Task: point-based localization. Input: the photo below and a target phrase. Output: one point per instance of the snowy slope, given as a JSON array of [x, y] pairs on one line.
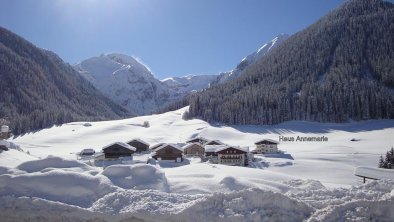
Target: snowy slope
[[332, 162], [251, 59], [189, 83], [127, 82], [309, 181]]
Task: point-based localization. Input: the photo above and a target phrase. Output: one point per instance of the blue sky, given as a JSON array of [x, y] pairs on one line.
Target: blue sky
[[173, 37]]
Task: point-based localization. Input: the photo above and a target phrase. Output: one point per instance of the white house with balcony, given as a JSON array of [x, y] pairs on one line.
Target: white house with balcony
[[266, 146]]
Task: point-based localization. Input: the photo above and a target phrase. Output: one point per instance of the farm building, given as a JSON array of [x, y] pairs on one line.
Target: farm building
[[168, 152], [200, 140], [139, 144], [193, 149], [266, 146], [118, 149]]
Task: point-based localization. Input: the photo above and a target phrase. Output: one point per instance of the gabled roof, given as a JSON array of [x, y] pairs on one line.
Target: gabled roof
[[191, 144], [218, 148], [168, 144], [217, 141], [269, 140], [139, 140], [125, 145], [195, 138], [90, 150], [214, 148], [155, 146]]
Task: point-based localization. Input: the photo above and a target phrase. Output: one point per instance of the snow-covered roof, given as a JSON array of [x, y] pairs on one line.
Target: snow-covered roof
[[4, 143], [218, 148], [125, 145], [139, 140], [373, 172], [190, 144], [269, 140], [168, 144], [214, 148], [200, 138], [217, 141], [87, 150], [157, 145]]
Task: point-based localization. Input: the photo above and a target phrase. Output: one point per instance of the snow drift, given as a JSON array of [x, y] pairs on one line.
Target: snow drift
[[138, 176], [57, 185], [305, 200], [52, 162]]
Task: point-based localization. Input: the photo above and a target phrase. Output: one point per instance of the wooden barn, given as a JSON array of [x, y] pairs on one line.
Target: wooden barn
[[168, 152], [139, 144], [200, 140], [194, 149], [118, 149]]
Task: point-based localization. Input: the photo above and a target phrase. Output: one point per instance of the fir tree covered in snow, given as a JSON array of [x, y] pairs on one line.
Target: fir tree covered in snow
[[388, 161]]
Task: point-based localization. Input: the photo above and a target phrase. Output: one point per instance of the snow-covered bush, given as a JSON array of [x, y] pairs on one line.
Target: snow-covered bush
[[146, 124]]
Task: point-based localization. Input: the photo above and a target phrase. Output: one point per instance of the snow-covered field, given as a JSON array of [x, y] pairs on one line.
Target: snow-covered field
[[312, 181]]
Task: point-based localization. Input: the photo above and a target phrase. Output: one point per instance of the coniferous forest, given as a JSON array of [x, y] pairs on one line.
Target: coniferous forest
[[37, 89], [339, 69]]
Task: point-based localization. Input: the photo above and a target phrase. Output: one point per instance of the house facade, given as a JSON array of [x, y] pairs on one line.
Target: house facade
[[118, 149], [168, 152], [233, 156], [139, 144], [266, 146], [194, 149], [211, 152]]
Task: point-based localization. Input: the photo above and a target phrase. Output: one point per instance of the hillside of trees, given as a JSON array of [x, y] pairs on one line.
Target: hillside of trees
[[341, 68], [37, 89]]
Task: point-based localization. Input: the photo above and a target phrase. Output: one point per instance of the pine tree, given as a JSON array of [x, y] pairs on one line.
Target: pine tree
[[381, 162], [387, 161], [391, 156]]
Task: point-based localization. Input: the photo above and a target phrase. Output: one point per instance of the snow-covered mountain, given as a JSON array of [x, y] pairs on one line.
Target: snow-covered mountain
[[189, 83], [131, 84], [127, 82], [251, 59]]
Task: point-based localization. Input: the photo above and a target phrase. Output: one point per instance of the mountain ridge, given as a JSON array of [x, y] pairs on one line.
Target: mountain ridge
[[39, 89], [131, 84], [338, 69]]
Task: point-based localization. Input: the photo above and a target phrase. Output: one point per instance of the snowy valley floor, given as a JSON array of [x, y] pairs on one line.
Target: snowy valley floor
[[313, 181]]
